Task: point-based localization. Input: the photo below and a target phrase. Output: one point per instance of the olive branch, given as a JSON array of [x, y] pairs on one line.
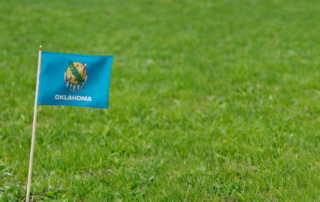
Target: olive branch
[[75, 73]]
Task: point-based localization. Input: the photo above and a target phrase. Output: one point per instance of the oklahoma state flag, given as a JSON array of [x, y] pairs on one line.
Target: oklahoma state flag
[[74, 79]]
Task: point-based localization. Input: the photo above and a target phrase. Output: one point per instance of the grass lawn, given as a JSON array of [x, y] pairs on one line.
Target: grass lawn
[[209, 101]]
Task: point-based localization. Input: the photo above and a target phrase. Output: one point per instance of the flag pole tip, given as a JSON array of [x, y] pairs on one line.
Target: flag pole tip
[[40, 47]]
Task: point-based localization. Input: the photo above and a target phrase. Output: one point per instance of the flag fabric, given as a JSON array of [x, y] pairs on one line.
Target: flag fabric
[[74, 79]]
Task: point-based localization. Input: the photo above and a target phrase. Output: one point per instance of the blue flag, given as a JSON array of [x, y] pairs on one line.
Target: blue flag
[[74, 79]]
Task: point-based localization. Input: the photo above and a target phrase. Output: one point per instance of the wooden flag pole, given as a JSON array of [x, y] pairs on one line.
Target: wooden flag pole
[[34, 127]]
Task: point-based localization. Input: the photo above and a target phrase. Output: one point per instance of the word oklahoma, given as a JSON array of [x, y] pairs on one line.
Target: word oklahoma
[[72, 97]]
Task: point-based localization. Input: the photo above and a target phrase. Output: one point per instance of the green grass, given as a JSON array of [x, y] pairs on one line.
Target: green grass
[[209, 101]]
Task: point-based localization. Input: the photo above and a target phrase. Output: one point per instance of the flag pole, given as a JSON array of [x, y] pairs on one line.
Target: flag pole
[[34, 127]]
